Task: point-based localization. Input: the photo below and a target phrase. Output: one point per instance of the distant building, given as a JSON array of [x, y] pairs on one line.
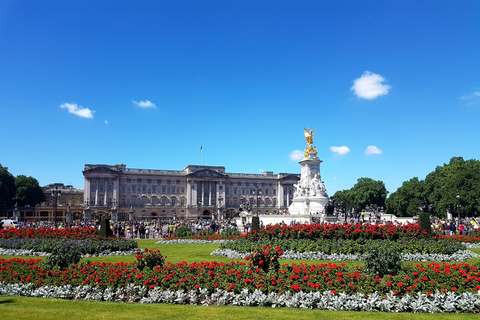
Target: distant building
[[194, 192], [71, 200]]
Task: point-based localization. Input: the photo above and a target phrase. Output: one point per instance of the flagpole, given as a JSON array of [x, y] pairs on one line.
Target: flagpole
[[201, 155]]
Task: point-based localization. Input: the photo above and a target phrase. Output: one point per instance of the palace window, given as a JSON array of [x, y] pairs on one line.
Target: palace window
[[183, 189], [163, 189], [94, 188], [101, 187], [154, 189]]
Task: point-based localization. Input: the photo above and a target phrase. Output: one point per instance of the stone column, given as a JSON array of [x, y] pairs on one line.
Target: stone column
[[203, 193], [116, 185], [288, 196], [105, 188], [86, 191], [210, 193], [189, 193], [96, 194]]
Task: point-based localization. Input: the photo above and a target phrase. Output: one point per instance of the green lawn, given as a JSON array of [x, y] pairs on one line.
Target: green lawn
[[38, 308], [198, 252], [27, 308]]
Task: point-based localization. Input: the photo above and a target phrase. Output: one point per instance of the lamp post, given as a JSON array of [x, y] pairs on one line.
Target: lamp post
[[55, 194], [458, 205], [257, 192]]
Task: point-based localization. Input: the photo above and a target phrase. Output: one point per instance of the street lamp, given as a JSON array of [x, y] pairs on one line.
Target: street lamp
[[257, 192], [55, 195], [458, 205]]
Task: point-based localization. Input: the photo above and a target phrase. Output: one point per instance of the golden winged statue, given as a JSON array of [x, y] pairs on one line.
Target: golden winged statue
[[309, 138]]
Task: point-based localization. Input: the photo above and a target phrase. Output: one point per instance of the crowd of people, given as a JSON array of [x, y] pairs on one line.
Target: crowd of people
[[161, 228]]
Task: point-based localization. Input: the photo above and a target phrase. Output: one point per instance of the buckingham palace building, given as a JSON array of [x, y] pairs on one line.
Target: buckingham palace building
[[195, 192]]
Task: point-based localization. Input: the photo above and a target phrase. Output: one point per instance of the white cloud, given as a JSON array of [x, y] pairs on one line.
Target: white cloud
[[145, 104], [472, 98], [369, 86], [340, 150], [296, 155], [372, 150], [76, 110], [106, 122]]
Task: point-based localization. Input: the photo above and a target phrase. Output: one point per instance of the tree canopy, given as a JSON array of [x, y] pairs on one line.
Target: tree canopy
[[29, 192], [439, 191], [366, 192], [406, 201], [7, 188], [458, 176]]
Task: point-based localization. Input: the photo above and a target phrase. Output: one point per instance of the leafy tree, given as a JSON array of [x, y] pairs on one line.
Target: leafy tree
[[458, 176], [366, 192], [406, 201], [7, 188], [342, 199], [28, 191]]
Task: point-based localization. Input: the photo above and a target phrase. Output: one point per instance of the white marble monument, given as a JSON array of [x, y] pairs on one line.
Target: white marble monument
[[310, 197]]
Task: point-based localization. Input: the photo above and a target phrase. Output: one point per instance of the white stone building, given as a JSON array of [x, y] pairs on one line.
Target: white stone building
[[194, 192]]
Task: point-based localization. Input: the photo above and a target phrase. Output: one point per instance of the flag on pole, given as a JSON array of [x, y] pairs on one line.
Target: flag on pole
[[200, 146]]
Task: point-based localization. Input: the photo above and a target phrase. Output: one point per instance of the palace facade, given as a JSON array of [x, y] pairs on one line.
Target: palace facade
[[194, 192]]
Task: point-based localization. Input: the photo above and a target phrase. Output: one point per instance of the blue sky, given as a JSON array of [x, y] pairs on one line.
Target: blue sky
[[145, 83]]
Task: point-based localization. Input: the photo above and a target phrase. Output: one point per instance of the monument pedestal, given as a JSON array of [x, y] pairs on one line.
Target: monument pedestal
[[310, 197]]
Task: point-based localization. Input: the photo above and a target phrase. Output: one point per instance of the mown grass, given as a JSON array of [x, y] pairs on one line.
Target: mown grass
[[200, 252], [39, 309]]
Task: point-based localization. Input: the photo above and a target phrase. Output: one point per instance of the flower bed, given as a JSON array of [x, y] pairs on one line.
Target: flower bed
[[316, 231], [359, 246], [418, 287], [236, 276], [50, 233], [45, 240], [461, 255]]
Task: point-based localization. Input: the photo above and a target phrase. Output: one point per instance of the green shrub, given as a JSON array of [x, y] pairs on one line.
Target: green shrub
[[105, 230], [230, 232], [266, 258], [205, 232], [383, 261], [62, 257], [149, 259], [183, 232], [424, 223], [255, 223]]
